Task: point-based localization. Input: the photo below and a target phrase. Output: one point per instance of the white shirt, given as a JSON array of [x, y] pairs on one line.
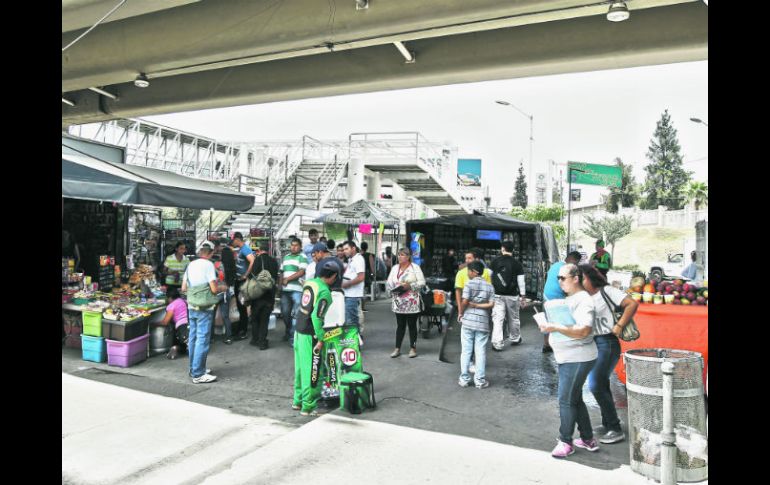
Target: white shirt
[[200, 272], [310, 271], [355, 265], [603, 321]]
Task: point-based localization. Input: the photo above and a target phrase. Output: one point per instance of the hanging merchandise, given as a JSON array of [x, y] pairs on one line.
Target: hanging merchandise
[[416, 243]]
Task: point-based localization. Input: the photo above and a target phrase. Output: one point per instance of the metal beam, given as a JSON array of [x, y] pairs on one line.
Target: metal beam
[[246, 31], [661, 35]]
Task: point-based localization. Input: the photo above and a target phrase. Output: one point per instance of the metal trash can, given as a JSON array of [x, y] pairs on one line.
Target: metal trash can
[[644, 383]]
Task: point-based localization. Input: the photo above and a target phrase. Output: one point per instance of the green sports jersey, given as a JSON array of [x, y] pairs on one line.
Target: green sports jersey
[[604, 262], [293, 263], [315, 301]]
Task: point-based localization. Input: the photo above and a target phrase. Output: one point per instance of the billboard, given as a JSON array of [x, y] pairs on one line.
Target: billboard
[[469, 172], [595, 174]]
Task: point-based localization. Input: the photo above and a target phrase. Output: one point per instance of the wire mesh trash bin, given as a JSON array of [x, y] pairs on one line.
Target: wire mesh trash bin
[[644, 383]]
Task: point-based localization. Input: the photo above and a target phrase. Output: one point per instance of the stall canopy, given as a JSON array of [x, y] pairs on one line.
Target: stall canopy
[[478, 221], [361, 212], [85, 177]]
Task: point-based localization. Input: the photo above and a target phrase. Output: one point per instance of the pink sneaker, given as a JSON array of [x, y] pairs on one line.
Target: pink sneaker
[[590, 445], [562, 450]]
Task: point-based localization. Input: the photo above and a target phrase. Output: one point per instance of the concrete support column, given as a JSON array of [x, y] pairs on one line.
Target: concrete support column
[[355, 180], [373, 186]]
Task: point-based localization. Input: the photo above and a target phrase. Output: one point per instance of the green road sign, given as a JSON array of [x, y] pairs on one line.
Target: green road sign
[[595, 174]]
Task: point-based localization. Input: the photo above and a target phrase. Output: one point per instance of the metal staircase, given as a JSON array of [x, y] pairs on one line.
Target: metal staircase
[[303, 189]]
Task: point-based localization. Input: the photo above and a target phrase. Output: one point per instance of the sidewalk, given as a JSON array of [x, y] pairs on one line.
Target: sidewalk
[[114, 435]]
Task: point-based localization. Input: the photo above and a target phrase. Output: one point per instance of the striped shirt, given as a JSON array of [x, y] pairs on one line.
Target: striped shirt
[[174, 264], [477, 290], [293, 263]]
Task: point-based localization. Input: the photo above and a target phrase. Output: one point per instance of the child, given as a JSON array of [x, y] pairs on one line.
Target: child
[[478, 300]]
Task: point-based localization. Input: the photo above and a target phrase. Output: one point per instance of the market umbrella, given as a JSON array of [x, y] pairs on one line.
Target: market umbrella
[[362, 212]]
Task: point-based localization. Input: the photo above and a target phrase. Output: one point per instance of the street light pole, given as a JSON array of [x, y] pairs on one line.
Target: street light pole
[[531, 142]]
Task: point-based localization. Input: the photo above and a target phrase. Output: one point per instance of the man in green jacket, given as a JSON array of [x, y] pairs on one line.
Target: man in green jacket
[[308, 339], [601, 259]]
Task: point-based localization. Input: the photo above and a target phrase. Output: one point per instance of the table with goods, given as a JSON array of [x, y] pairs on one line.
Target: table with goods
[[672, 314], [112, 326]]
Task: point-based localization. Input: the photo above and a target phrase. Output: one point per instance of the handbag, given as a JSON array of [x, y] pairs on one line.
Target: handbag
[[256, 286], [201, 296], [629, 332]]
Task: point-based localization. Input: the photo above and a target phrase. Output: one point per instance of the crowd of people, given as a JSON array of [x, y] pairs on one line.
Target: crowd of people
[[488, 298]]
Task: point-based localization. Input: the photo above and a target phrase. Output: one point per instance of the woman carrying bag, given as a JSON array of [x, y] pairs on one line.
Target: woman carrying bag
[[606, 333], [404, 283]]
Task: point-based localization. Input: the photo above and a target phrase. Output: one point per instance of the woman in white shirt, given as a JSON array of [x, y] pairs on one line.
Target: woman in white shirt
[[606, 332], [575, 352], [404, 283]]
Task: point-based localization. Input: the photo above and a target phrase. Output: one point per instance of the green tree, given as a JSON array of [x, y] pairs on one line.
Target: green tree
[[611, 229], [666, 178], [627, 193], [519, 198], [552, 215], [697, 192]]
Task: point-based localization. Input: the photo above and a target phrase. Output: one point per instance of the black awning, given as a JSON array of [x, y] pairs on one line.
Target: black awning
[[477, 221], [85, 177]]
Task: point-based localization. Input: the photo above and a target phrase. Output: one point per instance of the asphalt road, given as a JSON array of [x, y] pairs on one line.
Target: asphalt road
[[519, 408]]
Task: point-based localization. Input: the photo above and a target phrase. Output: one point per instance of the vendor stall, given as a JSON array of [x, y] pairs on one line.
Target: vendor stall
[[679, 327], [430, 239], [365, 218]]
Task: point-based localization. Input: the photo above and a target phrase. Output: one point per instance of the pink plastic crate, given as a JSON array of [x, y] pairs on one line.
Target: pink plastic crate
[[129, 347], [126, 361]]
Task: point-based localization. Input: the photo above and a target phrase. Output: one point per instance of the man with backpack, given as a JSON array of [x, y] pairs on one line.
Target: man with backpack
[[262, 307], [508, 281]]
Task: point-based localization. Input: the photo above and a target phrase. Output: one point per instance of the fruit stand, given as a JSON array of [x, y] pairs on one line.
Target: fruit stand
[[671, 315]]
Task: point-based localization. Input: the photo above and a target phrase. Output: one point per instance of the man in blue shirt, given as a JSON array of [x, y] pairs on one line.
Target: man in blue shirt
[[308, 248], [244, 260], [552, 290], [690, 271]]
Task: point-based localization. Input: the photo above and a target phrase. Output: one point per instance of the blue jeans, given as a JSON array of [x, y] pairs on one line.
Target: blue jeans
[[290, 301], [198, 344], [224, 310], [351, 310], [572, 409], [599, 379], [473, 340]]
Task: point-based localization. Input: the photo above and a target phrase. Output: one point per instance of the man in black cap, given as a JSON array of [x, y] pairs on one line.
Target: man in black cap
[[320, 253]]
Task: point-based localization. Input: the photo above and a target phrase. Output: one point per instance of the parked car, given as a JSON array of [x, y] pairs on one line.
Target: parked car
[[672, 267]]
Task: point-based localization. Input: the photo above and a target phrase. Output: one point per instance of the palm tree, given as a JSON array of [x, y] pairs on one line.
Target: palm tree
[[697, 192]]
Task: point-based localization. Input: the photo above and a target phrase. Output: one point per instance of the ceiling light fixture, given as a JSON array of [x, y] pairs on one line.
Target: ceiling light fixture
[[67, 101], [618, 12], [103, 92], [362, 4], [409, 56], [141, 81]]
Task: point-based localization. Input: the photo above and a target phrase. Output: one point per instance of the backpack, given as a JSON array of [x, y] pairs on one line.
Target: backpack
[[256, 286], [380, 269]]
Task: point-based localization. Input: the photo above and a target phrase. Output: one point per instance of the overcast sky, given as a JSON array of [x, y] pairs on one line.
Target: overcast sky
[[589, 117]]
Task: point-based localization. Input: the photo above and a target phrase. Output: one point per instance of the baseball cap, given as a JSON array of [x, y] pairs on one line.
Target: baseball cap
[[327, 268], [319, 246], [207, 244]]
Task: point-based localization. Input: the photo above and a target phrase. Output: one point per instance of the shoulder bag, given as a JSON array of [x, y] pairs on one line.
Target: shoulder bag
[[201, 296], [256, 286], [629, 332]]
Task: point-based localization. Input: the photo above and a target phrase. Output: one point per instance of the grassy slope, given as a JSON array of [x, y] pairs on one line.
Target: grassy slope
[[644, 245]]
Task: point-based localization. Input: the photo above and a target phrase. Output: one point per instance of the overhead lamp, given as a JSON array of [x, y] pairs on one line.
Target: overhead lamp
[[362, 4], [103, 92], [141, 81], [409, 56], [67, 101], [618, 12]]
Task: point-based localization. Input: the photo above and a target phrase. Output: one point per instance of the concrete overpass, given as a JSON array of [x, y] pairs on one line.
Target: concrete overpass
[[200, 55]]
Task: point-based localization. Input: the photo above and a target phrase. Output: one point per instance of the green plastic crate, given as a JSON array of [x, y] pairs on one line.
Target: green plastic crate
[[92, 324]]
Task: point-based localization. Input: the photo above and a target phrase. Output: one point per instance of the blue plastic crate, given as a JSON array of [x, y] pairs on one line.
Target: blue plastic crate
[[94, 348]]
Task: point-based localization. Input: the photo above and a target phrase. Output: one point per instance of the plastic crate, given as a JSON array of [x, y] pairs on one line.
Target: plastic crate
[[126, 354], [124, 331], [81, 301], [92, 324], [94, 348]]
